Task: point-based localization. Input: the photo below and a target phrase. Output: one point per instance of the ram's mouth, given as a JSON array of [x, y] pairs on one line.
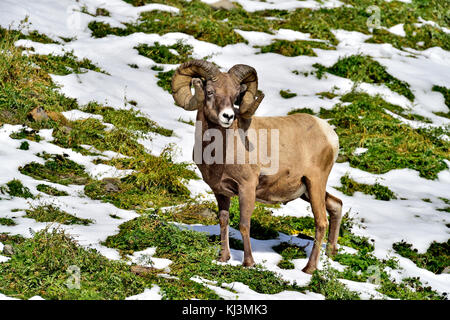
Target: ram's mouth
[[226, 124]]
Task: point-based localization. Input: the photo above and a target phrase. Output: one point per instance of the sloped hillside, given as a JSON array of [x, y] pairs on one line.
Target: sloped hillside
[[99, 197]]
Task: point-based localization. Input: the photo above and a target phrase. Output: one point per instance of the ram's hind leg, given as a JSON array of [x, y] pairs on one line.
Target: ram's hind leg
[[334, 208], [246, 205], [316, 196], [223, 203]]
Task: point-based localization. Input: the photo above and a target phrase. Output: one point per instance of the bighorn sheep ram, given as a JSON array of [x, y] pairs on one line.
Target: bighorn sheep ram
[[307, 149]]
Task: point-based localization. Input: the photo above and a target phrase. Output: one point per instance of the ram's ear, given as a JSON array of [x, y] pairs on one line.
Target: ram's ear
[[242, 89]]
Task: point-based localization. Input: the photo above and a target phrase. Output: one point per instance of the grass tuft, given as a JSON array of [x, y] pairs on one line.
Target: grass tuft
[[51, 213], [15, 188], [350, 186]]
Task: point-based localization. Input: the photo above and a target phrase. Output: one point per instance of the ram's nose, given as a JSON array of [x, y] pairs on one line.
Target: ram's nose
[[226, 117]]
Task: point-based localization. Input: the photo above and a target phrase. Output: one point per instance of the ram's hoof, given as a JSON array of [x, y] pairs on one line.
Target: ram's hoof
[[248, 263], [331, 251], [309, 269], [224, 258]]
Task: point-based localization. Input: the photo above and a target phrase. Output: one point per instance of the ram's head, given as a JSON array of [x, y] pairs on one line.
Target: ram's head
[[217, 92]]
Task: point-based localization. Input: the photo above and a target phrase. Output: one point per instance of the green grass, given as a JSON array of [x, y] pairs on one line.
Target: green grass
[[295, 48], [162, 54], [50, 190], [446, 93], [217, 26], [33, 270], [24, 145], [287, 94], [435, 259], [326, 282], [195, 18], [302, 110], [58, 169], [325, 94], [24, 86], [64, 64], [7, 222], [361, 68], [51, 213], [289, 252], [409, 289], [128, 119], [391, 144], [165, 80], [26, 133], [156, 181], [419, 38], [191, 253], [15, 188], [29, 35], [350, 186]]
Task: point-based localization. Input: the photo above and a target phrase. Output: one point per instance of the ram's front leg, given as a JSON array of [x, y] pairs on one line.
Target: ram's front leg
[[246, 205], [223, 203]]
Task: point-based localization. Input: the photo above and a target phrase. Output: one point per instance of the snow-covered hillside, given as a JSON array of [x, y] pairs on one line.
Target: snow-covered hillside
[[408, 217]]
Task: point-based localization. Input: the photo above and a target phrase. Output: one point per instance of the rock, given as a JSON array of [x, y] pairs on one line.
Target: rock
[[446, 270], [141, 270], [222, 4], [8, 249], [38, 114], [208, 213], [111, 184], [66, 129]]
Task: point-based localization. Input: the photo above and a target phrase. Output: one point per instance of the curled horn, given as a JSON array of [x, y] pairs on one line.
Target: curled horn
[[247, 75], [181, 82]]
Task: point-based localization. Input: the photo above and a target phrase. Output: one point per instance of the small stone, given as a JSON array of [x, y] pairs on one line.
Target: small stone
[[66, 129], [8, 249], [141, 270], [38, 114], [222, 4], [208, 213], [111, 184]]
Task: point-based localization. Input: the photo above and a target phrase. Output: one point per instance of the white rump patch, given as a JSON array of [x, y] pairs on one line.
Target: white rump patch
[[331, 135]]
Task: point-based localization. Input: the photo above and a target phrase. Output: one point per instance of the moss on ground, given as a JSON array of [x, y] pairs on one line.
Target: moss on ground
[[58, 169], [287, 94], [50, 190], [33, 270], [289, 252], [350, 186], [435, 259], [163, 54], [191, 253], [361, 68], [295, 48], [15, 188], [24, 87], [51, 213], [128, 119], [7, 222], [217, 26], [391, 144], [64, 64]]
